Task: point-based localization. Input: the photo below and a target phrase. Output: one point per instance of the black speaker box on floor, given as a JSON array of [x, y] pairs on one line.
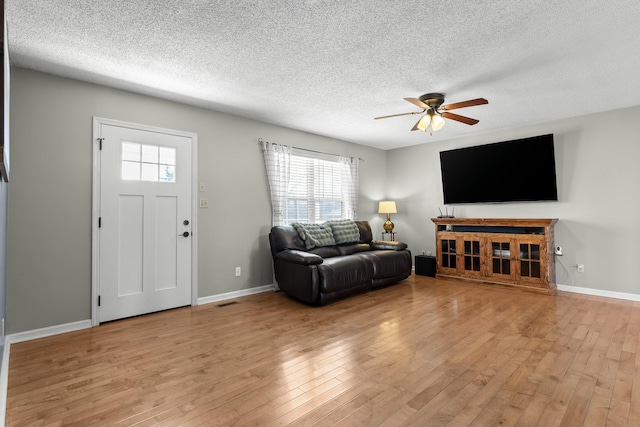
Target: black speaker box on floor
[[426, 265]]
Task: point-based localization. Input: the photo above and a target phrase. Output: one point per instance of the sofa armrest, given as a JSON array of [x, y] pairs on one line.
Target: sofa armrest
[[387, 245], [299, 257]]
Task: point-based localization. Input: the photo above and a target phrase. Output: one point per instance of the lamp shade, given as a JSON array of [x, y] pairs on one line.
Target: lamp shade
[[437, 122], [423, 124], [387, 207]]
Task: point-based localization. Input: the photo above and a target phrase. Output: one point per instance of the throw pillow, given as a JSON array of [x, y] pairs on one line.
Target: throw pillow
[[344, 231], [315, 235]]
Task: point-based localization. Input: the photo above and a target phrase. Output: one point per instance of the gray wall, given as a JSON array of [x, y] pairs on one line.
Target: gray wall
[[4, 189], [49, 203], [49, 236], [599, 203]]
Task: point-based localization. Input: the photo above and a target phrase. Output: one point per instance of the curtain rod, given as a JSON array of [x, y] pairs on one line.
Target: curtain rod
[[260, 141]]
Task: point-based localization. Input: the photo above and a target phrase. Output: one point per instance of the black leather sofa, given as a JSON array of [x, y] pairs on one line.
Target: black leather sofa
[[324, 274]]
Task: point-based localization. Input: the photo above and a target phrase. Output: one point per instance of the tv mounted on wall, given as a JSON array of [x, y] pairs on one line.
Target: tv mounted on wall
[[521, 170]]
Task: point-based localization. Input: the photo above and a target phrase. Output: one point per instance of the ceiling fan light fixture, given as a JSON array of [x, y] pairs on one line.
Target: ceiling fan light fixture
[[423, 124], [435, 112], [437, 122]]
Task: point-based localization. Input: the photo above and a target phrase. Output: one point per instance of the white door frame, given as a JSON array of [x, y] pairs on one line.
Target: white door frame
[[95, 211]]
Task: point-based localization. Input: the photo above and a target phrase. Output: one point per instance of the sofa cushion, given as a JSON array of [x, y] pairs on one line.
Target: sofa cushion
[[299, 257], [315, 235], [344, 231], [388, 263], [325, 251], [365, 231], [345, 272], [387, 245], [353, 248]]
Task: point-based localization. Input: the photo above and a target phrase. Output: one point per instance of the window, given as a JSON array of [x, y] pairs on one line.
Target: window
[[310, 187], [141, 162], [315, 190]]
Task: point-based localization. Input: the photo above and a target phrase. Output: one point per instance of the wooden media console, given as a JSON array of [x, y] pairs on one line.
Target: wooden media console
[[513, 252]]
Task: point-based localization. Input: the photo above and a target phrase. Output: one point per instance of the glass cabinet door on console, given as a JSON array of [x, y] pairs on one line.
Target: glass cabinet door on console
[[530, 266], [472, 255], [500, 257], [462, 255], [446, 254]]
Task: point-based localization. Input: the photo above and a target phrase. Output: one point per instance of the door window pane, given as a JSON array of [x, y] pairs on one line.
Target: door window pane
[[524, 268], [535, 269], [150, 154], [144, 162], [495, 249], [167, 173], [149, 172], [131, 171], [167, 156], [535, 251], [506, 266], [131, 151]]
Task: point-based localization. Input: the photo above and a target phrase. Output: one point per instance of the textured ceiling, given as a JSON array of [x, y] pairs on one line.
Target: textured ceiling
[[330, 66]]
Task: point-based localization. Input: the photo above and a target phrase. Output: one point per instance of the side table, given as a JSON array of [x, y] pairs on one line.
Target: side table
[[389, 236]]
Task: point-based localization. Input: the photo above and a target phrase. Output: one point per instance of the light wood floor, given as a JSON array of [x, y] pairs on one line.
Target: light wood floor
[[423, 352]]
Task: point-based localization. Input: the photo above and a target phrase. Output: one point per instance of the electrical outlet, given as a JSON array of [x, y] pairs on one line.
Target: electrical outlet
[[204, 203], [558, 250], [238, 271], [580, 268], [203, 187]]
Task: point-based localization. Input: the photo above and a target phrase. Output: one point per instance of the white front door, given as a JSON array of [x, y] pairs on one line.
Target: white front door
[[145, 221]]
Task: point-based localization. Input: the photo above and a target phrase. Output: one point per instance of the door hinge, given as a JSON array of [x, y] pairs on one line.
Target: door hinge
[[100, 141], [98, 300], [99, 222]]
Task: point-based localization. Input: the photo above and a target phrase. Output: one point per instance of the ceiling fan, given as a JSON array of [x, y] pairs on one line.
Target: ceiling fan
[[431, 104]]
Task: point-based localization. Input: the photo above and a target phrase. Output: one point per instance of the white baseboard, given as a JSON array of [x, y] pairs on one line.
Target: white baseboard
[[599, 292], [235, 294], [48, 331], [4, 382]]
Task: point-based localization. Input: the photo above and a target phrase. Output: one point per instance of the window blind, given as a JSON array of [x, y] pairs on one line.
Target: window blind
[[315, 190]]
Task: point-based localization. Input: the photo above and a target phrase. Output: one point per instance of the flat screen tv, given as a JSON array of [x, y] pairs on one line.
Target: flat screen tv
[[521, 170]]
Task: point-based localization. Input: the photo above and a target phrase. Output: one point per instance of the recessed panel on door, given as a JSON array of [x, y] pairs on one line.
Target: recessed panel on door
[[130, 247], [166, 234]]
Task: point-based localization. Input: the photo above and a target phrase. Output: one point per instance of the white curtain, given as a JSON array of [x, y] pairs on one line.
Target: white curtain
[[350, 184], [277, 160]]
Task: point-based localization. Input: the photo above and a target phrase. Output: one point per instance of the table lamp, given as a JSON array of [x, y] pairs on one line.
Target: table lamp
[[387, 207]]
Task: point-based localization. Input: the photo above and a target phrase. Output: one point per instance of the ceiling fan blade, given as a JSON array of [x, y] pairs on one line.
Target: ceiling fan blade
[[398, 115], [463, 104], [417, 103], [459, 118], [415, 127]]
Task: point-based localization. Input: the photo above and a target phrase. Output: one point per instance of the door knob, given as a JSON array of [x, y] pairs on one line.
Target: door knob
[[185, 234]]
